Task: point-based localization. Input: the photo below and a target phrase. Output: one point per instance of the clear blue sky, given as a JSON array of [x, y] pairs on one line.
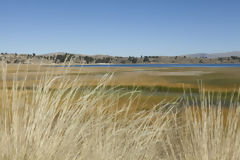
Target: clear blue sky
[[119, 27]]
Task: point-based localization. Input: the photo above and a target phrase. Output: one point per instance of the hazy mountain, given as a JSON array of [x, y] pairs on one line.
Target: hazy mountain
[[214, 55]]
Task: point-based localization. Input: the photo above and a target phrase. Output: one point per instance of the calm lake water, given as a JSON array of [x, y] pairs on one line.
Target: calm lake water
[[158, 65]]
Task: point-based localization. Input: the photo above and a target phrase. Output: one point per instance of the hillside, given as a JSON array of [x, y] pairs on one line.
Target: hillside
[[214, 55], [60, 58]]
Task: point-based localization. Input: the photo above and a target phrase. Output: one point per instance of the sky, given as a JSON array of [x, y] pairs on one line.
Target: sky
[[120, 27]]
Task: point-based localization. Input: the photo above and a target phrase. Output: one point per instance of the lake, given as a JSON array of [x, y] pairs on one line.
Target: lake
[[157, 65]]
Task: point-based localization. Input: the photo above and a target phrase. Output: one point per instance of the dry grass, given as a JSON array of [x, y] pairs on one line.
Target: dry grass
[[57, 119], [74, 123]]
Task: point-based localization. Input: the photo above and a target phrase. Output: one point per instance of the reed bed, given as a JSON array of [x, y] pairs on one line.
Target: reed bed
[[54, 119]]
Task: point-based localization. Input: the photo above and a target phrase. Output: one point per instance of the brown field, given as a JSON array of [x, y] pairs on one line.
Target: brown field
[[169, 82], [155, 84], [212, 78]]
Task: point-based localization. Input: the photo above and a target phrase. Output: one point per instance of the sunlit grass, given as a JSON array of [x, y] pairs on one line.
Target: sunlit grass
[[59, 116]]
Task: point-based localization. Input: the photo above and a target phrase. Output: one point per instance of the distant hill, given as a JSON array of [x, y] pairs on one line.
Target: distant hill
[[63, 53], [214, 55], [62, 57]]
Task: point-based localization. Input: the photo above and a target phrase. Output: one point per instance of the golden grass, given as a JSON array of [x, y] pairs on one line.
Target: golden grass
[[57, 119], [73, 123]]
